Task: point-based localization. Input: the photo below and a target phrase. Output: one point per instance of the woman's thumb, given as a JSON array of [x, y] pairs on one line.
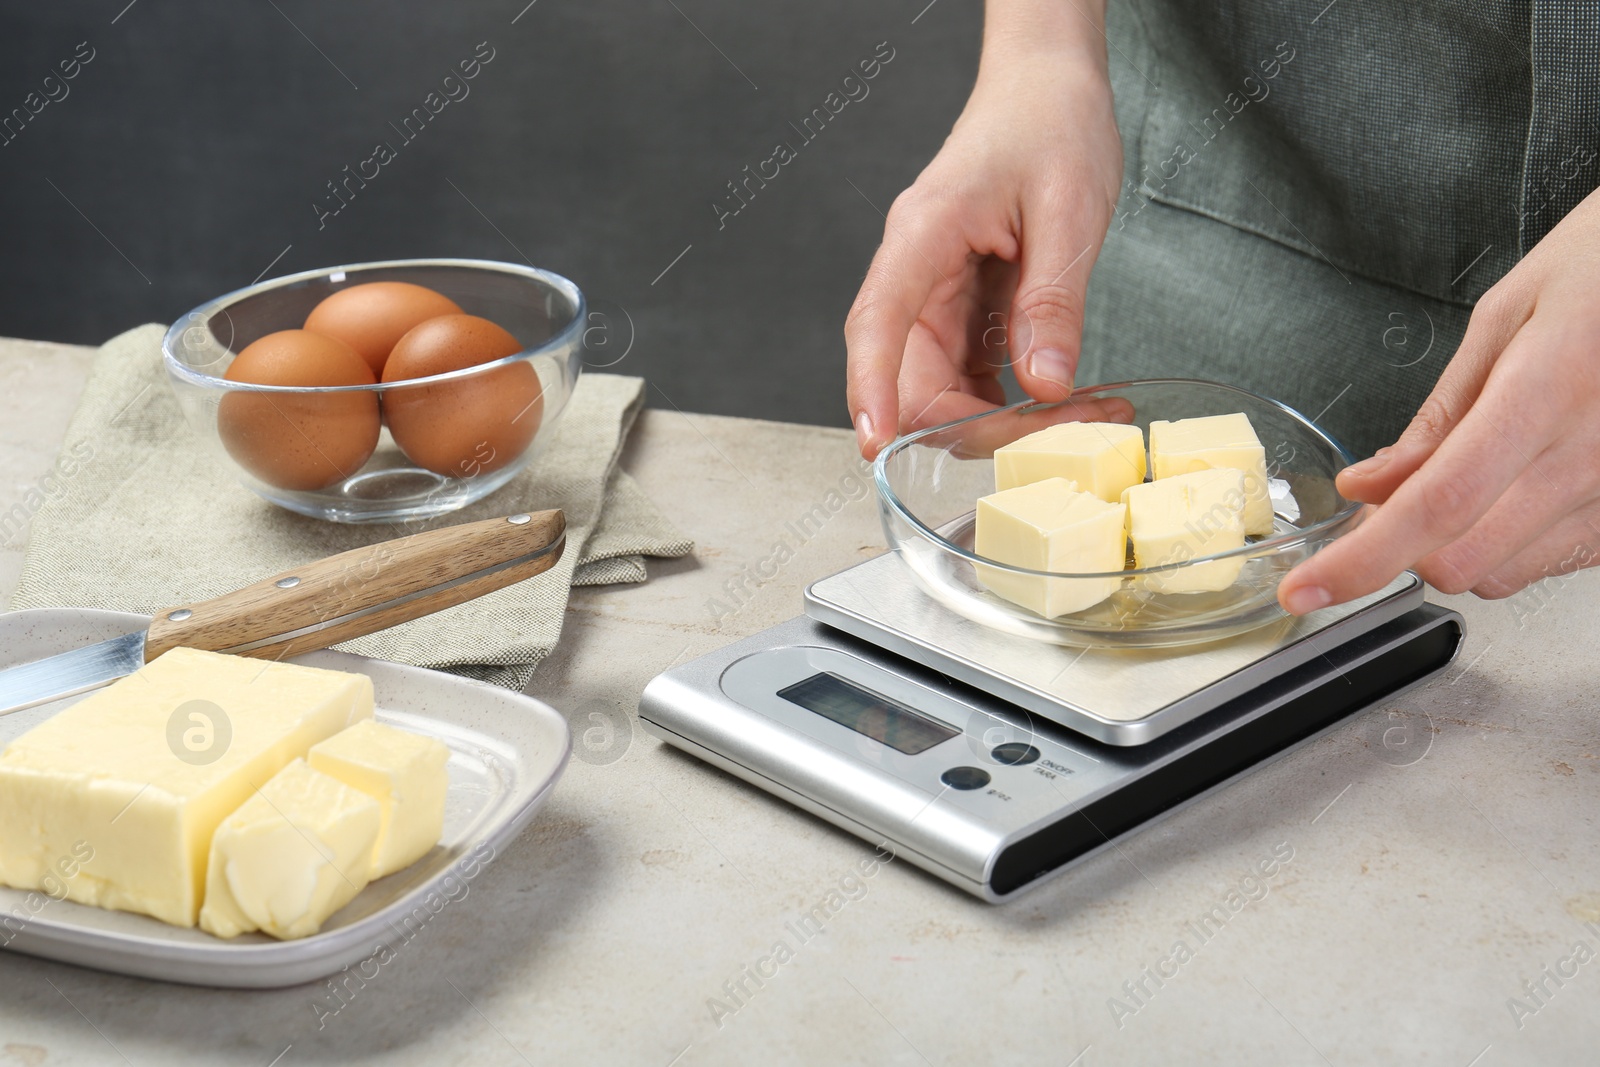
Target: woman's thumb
[[1047, 312]]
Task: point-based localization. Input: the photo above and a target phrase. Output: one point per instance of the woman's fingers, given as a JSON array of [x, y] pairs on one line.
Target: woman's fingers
[[1568, 546], [921, 250], [1552, 362], [1046, 319], [1484, 450], [990, 340], [929, 381], [1554, 484]]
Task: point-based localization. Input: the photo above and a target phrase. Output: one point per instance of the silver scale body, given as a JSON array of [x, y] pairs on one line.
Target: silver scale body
[[1107, 737]]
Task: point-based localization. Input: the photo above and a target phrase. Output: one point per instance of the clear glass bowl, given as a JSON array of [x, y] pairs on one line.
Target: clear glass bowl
[[929, 482], [544, 311]]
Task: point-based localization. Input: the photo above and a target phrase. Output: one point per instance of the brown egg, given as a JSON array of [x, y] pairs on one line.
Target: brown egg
[[299, 440], [467, 427], [371, 317]]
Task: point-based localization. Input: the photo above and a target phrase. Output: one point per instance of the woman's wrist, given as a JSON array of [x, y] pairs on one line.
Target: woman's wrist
[[1068, 35]]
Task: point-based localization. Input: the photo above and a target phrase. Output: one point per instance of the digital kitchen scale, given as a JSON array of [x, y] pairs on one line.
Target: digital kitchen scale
[[995, 761]]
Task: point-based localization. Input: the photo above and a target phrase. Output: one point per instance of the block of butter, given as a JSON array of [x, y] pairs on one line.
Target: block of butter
[[1050, 526], [1184, 517], [144, 770], [1213, 442], [1103, 458], [402, 771], [292, 855]]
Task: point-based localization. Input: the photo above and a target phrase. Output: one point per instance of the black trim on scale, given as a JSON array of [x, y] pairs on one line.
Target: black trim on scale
[[1289, 723]]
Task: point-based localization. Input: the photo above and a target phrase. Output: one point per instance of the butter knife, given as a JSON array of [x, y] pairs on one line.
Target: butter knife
[[320, 604]]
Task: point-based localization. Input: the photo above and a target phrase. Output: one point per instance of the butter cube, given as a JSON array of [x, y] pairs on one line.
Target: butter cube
[[292, 855], [1050, 526], [143, 771], [1184, 517], [404, 773], [1103, 458], [1213, 442]]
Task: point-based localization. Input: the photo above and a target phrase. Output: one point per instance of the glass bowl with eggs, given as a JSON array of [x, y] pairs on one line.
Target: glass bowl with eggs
[[1142, 514], [380, 391]]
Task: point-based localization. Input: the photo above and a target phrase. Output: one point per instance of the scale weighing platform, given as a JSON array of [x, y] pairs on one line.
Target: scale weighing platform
[[994, 761]]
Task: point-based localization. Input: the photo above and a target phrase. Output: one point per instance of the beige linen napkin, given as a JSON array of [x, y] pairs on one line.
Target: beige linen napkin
[[141, 516]]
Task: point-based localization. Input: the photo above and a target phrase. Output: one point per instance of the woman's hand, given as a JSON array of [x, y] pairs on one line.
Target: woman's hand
[[1496, 482], [990, 249]]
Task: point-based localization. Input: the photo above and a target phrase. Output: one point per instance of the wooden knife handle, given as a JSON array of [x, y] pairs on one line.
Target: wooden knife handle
[[364, 590]]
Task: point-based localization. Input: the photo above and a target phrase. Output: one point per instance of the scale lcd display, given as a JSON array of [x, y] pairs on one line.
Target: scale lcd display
[[869, 713]]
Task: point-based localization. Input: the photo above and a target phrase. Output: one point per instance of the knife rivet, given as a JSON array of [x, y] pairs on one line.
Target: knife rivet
[[180, 615], [287, 583], [520, 520]]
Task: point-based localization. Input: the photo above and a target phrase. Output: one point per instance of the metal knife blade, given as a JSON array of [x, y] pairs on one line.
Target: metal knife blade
[[70, 673]]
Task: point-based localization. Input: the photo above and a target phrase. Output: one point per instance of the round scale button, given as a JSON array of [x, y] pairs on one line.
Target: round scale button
[[1014, 753], [965, 778]]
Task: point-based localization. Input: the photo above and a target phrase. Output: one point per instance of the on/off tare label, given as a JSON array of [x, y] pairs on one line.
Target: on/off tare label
[[1051, 769]]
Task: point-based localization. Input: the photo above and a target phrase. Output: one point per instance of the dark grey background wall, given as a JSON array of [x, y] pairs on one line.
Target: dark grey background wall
[[186, 158]]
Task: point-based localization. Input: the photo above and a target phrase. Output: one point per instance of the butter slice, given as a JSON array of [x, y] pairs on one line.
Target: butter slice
[[104, 773], [1103, 458], [402, 771], [292, 855], [1184, 517], [1050, 526], [1213, 442]]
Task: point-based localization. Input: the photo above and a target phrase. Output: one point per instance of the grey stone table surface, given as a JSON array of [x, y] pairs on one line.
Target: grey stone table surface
[[1433, 902]]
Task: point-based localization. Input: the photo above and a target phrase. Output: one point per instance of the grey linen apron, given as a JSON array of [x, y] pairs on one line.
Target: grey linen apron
[[1316, 194]]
